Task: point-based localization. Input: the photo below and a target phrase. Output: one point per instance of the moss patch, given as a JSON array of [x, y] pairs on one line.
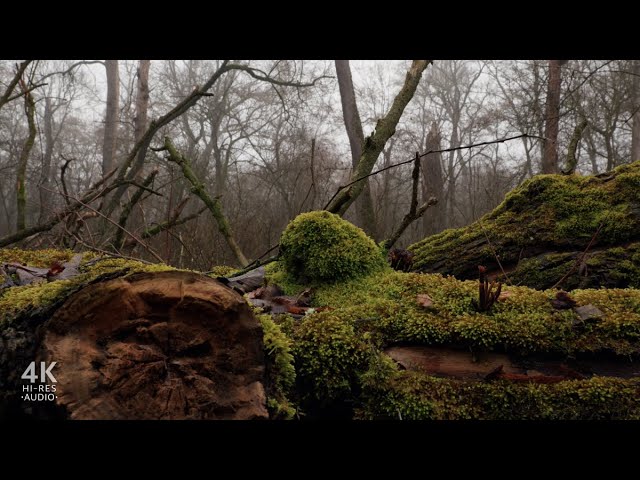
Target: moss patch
[[557, 213], [410, 395], [280, 369], [334, 350], [320, 247], [34, 258]]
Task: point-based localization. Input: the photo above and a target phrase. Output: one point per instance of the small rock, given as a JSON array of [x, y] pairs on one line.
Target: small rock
[[588, 312]]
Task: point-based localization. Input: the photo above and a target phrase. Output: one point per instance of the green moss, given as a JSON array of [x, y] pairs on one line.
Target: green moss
[[525, 322], [222, 271], [281, 372], [415, 396], [338, 359], [554, 212], [34, 258], [320, 247], [329, 355]]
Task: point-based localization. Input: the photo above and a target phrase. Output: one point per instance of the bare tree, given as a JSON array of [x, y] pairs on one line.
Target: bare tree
[[433, 182], [353, 126], [142, 99], [111, 116], [373, 145], [635, 135], [21, 194], [552, 117]]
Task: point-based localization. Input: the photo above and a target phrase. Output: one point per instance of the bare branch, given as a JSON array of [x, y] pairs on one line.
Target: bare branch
[[452, 149], [14, 82], [263, 76]]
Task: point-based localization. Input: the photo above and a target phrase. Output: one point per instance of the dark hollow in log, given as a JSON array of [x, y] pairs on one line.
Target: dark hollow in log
[[168, 345]]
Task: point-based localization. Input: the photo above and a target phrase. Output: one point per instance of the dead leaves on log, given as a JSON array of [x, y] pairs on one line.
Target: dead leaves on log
[[15, 274]]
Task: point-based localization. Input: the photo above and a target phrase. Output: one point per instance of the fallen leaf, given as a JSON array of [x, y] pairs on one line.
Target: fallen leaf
[[504, 295], [55, 269], [424, 300], [563, 301]]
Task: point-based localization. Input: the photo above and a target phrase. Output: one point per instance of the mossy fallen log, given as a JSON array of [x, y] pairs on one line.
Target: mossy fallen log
[[335, 362], [337, 353], [130, 341], [541, 232]]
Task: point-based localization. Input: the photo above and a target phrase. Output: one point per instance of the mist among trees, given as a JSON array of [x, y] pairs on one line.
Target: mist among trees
[[203, 163]]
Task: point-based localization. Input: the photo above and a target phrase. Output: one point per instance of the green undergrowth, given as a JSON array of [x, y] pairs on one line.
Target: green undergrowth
[[549, 212], [281, 372], [333, 349]]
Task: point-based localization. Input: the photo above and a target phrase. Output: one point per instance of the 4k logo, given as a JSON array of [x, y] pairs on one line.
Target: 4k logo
[[45, 372]]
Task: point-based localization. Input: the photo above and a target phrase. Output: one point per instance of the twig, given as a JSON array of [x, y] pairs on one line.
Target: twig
[[580, 259], [63, 170], [495, 253], [414, 213], [147, 247]]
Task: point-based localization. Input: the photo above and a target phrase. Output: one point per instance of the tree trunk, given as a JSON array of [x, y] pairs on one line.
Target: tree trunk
[[142, 99], [45, 178], [21, 193], [635, 134], [364, 204], [161, 345], [433, 184], [111, 116], [373, 145], [552, 117]]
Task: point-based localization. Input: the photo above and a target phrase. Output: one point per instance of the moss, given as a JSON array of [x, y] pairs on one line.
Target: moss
[[415, 396], [281, 372], [222, 271], [525, 322], [329, 355], [558, 213], [36, 299], [34, 258], [608, 268], [320, 247], [338, 352]]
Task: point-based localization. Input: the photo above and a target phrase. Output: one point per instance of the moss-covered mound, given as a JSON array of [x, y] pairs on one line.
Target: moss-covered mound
[[543, 227], [338, 352], [320, 247]]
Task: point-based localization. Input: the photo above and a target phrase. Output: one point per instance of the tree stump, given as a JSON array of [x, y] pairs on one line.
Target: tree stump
[[164, 345]]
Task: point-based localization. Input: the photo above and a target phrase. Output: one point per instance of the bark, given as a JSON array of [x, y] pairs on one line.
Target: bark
[[142, 99], [552, 117], [6, 96], [364, 204], [635, 133], [433, 183], [45, 178], [111, 117], [161, 345], [572, 160], [21, 193], [214, 204], [373, 145]]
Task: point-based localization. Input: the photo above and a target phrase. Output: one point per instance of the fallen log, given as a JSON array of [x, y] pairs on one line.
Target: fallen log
[[582, 231], [151, 345]]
